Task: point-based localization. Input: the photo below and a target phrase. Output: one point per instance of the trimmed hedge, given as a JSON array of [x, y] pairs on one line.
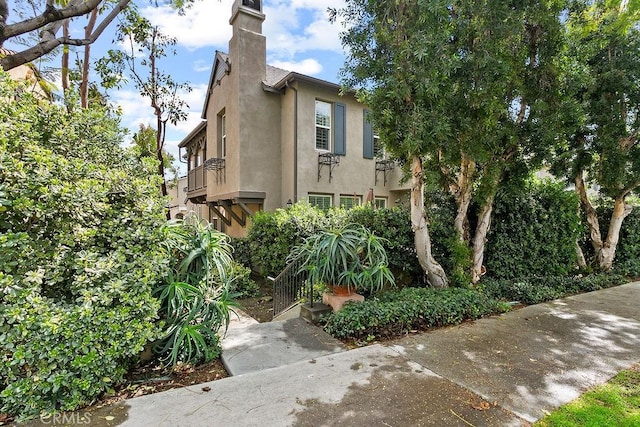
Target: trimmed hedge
[[533, 232], [534, 290], [398, 312]]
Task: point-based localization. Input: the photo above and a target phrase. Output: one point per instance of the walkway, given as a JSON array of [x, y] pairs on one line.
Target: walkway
[[505, 370]]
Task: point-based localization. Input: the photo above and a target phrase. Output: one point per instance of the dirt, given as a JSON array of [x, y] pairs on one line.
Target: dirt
[[260, 307]]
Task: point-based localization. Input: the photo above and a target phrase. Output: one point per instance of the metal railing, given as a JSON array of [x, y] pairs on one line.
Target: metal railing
[[289, 287]]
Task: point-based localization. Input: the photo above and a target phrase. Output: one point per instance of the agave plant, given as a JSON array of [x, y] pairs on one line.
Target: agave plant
[[195, 299], [350, 256]]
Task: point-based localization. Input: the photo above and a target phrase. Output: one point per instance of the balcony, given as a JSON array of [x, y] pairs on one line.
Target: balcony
[[197, 179]]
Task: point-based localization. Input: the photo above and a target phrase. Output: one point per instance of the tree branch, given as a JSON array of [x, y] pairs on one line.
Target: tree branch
[[11, 61], [50, 14]]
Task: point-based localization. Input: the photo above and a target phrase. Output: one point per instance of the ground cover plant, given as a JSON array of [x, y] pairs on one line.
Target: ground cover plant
[[616, 403]]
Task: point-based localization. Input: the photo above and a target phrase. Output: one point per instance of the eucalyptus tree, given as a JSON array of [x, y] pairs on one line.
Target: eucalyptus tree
[[139, 59], [602, 76], [462, 92]]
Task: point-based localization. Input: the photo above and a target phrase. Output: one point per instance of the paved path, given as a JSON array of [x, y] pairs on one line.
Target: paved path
[[505, 370]]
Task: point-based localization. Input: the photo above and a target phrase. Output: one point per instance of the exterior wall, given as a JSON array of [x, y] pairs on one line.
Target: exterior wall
[[252, 119], [178, 196], [355, 174]]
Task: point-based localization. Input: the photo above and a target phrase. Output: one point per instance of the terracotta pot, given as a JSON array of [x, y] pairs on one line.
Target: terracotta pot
[[342, 291]]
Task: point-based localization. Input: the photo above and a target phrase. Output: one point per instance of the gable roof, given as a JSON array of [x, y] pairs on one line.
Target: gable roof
[[221, 67]]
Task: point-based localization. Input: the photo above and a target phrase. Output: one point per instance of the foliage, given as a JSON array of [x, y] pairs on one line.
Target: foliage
[[241, 284], [195, 298], [142, 48], [396, 313], [470, 88], [349, 255], [537, 289], [534, 231], [616, 403], [241, 251], [274, 234], [78, 235]]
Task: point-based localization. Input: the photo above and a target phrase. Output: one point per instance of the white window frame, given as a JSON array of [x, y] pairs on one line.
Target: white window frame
[[380, 199], [324, 126], [328, 197], [356, 200], [223, 136], [378, 148]]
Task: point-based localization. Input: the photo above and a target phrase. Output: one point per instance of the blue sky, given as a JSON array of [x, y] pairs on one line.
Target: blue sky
[[299, 38]]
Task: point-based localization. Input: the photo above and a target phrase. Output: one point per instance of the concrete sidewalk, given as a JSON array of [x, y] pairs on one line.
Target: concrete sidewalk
[[505, 370]]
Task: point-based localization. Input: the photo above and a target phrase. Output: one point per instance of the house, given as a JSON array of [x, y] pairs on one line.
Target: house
[[29, 75], [272, 137], [179, 204]]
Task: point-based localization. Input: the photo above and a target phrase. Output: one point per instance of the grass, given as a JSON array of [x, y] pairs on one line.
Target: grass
[[616, 403]]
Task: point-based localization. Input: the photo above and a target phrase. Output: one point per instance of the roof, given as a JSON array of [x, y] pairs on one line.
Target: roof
[[194, 132]]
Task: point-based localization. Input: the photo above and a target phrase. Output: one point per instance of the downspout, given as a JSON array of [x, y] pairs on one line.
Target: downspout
[[295, 142]]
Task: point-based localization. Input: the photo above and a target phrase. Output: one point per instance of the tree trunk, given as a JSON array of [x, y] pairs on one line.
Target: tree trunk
[[480, 238], [462, 195], [84, 81], [605, 251], [582, 262], [434, 272]]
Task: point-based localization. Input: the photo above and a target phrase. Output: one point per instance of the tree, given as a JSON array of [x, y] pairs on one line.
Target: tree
[[602, 77], [144, 145], [48, 22], [462, 93], [145, 47]]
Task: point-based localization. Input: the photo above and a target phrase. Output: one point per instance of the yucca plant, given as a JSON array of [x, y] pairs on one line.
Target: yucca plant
[[195, 298], [350, 256]]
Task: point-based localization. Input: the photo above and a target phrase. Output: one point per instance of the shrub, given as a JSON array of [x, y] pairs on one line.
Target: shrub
[[241, 251], [398, 312], [242, 285], [195, 299], [274, 234], [534, 231], [534, 290], [627, 259], [79, 234]]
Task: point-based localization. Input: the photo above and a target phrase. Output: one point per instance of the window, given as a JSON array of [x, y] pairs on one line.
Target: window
[[349, 202], [380, 202], [323, 125], [321, 201], [378, 148], [222, 135]]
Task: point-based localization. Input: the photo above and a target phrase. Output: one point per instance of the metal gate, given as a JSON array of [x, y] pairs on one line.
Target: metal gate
[[289, 287]]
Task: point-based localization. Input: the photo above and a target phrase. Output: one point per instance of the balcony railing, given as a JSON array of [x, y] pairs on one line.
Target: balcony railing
[[196, 179]]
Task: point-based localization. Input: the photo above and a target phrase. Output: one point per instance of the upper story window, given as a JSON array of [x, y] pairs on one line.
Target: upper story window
[[222, 134], [378, 148], [323, 125]]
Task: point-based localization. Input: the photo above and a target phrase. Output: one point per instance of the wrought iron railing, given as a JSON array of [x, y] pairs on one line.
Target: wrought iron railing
[[289, 287]]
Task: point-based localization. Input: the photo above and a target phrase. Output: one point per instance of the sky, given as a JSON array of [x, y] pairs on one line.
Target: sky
[[299, 38]]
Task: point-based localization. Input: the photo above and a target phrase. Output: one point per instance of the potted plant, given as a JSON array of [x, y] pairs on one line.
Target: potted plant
[[349, 257]]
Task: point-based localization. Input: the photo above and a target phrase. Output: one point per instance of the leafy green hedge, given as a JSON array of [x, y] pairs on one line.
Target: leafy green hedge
[[533, 232], [79, 229], [274, 234], [627, 260], [534, 290], [398, 312]]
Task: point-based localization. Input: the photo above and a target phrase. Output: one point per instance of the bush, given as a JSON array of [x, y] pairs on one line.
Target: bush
[[274, 234], [242, 285], [79, 234], [534, 290], [398, 312], [241, 251], [533, 232]]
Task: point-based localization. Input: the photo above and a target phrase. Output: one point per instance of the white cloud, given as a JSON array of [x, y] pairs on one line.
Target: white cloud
[[309, 66], [201, 65], [206, 23]]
